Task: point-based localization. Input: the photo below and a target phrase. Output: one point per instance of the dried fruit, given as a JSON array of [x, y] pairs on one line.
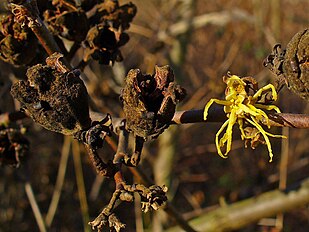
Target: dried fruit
[[17, 44], [54, 97], [292, 65], [149, 101], [102, 44], [107, 34], [110, 12], [67, 21]]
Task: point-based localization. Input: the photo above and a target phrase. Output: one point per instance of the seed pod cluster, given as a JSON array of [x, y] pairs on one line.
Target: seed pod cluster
[[102, 33], [98, 25], [291, 66]]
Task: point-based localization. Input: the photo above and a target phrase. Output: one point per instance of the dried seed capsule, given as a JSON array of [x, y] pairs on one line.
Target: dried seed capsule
[[54, 97], [17, 44], [67, 20], [149, 101], [107, 35], [296, 64], [72, 24], [292, 65], [102, 45]]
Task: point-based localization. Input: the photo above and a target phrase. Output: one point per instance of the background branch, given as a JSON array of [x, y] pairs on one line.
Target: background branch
[[242, 213]]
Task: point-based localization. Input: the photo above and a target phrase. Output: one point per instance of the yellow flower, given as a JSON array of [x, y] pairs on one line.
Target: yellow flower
[[242, 108]]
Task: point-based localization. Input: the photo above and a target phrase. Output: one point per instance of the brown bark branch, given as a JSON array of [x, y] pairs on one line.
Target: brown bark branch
[[216, 114]]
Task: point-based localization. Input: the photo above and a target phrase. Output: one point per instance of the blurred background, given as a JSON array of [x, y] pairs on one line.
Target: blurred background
[[202, 40]]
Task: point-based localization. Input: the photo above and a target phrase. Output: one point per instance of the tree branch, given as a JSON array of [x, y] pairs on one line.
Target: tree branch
[[216, 114], [240, 214]]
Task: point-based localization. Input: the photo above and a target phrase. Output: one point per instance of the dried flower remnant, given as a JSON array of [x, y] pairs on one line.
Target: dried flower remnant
[[13, 145], [54, 97], [291, 66], [17, 44], [149, 101], [86, 5], [107, 35], [102, 45], [119, 17], [67, 20], [246, 108], [152, 198]]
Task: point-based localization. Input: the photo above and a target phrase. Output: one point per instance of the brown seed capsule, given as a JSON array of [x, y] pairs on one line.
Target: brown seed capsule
[[17, 44], [107, 34], [68, 22], [149, 101], [292, 65], [118, 16], [103, 45], [54, 97]]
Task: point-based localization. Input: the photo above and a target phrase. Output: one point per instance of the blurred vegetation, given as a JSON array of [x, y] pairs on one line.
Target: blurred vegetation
[[202, 41]]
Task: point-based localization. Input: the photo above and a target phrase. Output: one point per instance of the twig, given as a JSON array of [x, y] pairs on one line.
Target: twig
[[237, 215], [283, 170], [96, 186], [35, 208], [169, 209], [101, 167], [60, 179], [122, 155], [215, 18], [80, 184], [216, 114]]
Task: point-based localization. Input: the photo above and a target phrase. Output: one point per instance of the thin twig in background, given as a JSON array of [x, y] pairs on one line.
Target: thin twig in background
[[80, 184], [35, 208], [215, 18], [60, 180], [239, 214], [283, 171], [95, 188]]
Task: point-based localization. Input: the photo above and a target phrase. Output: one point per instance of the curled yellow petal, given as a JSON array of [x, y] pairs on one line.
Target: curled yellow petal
[[241, 108]]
